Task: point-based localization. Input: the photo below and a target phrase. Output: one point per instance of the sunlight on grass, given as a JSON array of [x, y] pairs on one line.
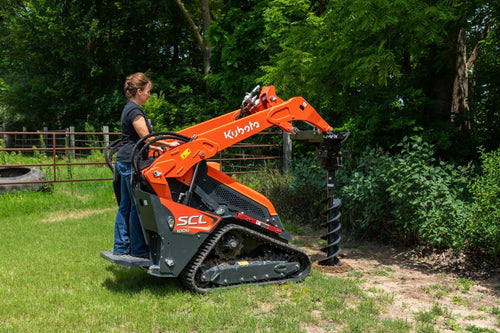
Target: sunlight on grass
[[53, 279], [64, 215]]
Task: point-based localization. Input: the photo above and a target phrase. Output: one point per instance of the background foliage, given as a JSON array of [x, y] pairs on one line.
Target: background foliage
[[385, 70], [483, 228], [410, 193], [413, 197]]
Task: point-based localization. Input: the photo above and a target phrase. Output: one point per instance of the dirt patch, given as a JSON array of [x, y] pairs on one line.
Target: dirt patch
[[452, 292]]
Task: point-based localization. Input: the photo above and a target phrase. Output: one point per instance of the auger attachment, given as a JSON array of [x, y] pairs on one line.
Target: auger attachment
[[330, 154]]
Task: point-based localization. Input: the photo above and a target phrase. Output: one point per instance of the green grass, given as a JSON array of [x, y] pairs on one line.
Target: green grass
[[458, 300], [53, 280], [496, 311], [437, 290], [463, 284], [426, 320]]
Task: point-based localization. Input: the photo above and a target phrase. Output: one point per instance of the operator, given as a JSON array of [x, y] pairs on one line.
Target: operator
[[129, 239]]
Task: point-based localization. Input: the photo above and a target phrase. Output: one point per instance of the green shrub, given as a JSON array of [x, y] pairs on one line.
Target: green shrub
[[307, 173], [3, 157], [410, 195], [306, 192], [365, 201], [425, 195], [298, 196], [483, 229], [163, 115]]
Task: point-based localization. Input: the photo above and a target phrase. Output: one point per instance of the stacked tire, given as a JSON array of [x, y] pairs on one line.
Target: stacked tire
[[21, 179]]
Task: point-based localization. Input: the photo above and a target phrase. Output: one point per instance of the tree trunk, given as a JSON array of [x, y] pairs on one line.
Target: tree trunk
[[459, 103], [202, 42], [207, 50]]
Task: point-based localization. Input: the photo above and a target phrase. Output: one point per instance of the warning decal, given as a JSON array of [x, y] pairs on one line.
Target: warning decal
[[185, 153]]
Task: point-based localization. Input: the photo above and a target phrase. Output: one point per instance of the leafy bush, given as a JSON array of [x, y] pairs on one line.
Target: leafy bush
[[306, 191], [410, 195], [483, 230], [364, 198], [298, 196], [426, 195], [163, 115]]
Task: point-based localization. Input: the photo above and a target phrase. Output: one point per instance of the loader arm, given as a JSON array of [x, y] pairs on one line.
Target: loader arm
[[212, 136]]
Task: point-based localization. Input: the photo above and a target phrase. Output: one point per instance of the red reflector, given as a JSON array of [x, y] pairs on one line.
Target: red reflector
[[261, 224]]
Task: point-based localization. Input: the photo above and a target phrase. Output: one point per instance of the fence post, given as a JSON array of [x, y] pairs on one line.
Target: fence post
[[72, 141], [287, 151], [105, 129], [43, 144], [24, 139]]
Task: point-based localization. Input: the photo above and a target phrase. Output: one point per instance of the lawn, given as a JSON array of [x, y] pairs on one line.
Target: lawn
[[52, 279]]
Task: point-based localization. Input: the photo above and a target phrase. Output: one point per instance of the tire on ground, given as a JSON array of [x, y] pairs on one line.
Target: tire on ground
[[10, 176]]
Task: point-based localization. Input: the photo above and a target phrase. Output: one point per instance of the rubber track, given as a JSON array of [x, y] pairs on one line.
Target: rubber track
[[188, 276]]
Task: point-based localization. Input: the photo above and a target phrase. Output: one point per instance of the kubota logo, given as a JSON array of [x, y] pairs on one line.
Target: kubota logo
[[191, 220], [234, 133]]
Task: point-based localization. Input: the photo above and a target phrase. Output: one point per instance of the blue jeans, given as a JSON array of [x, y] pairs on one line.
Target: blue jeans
[[128, 231]]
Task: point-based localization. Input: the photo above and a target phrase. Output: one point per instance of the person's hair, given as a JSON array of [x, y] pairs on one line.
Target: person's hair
[[134, 82]]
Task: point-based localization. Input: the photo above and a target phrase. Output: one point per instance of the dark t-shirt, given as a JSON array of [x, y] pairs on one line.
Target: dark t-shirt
[[129, 135]]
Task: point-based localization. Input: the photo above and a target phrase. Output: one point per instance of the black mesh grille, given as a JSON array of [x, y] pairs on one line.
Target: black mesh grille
[[233, 199]]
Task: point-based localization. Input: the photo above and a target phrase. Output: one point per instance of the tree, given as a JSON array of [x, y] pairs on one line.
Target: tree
[[385, 69], [482, 21], [237, 37], [199, 34], [484, 101], [65, 62]]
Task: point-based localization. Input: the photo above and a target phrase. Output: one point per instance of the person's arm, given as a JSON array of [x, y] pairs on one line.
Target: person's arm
[[141, 128]]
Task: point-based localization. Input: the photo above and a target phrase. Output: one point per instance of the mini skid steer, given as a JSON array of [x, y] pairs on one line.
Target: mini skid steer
[[202, 225]]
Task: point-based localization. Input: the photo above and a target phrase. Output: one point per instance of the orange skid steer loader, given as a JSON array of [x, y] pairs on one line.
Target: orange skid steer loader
[[205, 227]]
